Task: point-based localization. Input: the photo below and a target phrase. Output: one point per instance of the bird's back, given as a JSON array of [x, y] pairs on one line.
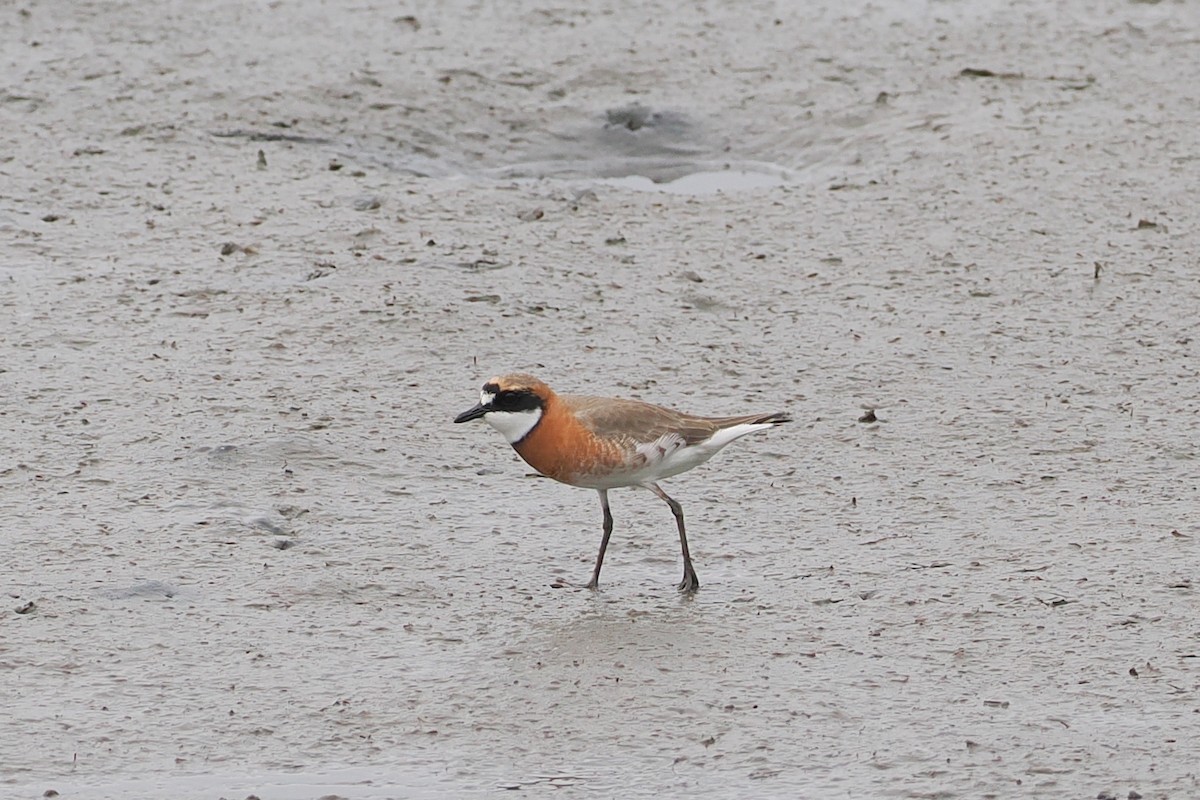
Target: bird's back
[[635, 422], [657, 442], [641, 422]]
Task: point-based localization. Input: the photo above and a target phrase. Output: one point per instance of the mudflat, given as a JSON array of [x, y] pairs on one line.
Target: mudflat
[[255, 257]]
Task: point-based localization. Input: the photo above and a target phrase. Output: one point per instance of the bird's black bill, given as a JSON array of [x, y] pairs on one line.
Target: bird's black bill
[[472, 413]]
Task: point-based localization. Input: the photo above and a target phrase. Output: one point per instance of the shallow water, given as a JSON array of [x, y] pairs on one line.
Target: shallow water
[[246, 551]]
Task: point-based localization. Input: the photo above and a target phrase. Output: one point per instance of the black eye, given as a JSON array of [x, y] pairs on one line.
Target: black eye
[[515, 400]]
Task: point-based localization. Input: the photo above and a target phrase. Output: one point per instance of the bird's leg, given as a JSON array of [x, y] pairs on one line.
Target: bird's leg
[[595, 581], [690, 582]]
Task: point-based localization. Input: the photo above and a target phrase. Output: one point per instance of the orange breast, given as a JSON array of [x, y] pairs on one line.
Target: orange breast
[[563, 449]]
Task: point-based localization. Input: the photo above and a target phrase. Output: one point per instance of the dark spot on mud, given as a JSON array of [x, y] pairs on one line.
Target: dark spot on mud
[[322, 269], [979, 72]]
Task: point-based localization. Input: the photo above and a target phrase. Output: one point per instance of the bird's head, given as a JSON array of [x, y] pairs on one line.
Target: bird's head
[[512, 404]]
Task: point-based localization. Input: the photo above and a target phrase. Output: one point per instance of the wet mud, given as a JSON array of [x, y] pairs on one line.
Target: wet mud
[[255, 258]]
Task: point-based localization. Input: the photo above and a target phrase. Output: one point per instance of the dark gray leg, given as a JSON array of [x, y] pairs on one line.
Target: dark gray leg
[[690, 582], [595, 581]]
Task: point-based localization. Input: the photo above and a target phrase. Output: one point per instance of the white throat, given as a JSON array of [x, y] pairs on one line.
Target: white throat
[[515, 425]]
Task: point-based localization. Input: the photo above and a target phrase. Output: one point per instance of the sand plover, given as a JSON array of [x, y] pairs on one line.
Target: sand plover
[[602, 443]]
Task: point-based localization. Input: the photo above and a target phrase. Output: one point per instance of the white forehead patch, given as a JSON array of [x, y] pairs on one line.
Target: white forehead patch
[[486, 398]]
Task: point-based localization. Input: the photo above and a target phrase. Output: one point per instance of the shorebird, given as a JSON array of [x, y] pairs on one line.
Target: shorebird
[[604, 443]]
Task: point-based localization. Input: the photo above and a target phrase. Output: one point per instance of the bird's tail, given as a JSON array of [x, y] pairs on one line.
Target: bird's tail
[[730, 428], [754, 419]]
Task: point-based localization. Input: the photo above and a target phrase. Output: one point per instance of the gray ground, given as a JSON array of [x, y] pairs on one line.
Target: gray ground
[[261, 560]]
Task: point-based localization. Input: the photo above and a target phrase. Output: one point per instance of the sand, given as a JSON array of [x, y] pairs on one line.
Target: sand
[[255, 257]]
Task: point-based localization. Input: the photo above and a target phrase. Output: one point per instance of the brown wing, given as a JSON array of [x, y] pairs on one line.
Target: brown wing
[[640, 423]]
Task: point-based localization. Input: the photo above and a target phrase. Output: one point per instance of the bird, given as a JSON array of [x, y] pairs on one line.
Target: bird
[[606, 443]]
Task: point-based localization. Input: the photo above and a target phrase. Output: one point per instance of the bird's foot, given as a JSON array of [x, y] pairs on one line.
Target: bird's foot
[[690, 582]]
